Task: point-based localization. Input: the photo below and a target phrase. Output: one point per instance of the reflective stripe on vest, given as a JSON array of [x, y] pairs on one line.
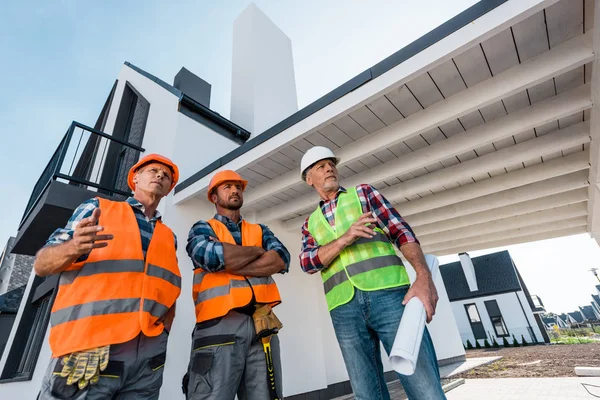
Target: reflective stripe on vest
[[216, 293], [368, 264], [116, 294]]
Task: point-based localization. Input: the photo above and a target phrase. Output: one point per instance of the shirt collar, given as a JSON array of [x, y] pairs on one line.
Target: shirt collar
[[341, 189], [139, 206], [227, 220]]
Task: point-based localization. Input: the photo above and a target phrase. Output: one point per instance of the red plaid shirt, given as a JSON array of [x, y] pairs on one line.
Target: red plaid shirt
[[388, 220]]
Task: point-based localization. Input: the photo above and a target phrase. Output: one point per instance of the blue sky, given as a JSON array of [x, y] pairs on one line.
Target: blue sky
[[59, 59]]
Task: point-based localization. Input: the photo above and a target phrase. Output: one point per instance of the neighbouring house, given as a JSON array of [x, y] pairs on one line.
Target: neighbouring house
[[564, 321], [479, 132], [596, 305], [575, 319], [490, 300], [588, 314], [549, 321]]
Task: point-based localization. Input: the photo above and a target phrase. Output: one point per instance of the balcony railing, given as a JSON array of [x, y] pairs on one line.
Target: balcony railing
[[90, 159]]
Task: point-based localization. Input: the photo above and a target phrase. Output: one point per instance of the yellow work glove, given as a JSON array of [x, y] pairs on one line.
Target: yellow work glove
[[84, 367], [266, 322]]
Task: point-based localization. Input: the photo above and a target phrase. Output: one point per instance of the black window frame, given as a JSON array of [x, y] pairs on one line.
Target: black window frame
[[477, 327], [501, 318], [469, 315], [493, 310], [27, 344]]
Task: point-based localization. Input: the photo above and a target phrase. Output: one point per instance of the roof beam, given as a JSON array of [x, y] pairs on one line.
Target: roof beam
[[518, 207], [554, 108], [509, 241], [528, 150], [550, 187], [467, 244], [475, 231], [539, 172], [556, 61]]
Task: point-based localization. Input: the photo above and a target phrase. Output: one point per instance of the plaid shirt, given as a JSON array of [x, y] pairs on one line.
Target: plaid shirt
[[85, 210], [388, 220], [208, 254]]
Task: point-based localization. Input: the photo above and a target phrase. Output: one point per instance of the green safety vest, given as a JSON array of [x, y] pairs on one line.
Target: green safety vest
[[368, 264]]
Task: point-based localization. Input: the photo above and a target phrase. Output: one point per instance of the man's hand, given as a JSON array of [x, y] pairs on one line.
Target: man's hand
[[362, 228], [85, 236], [424, 289]]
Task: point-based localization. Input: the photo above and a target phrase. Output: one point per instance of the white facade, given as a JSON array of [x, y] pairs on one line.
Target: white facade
[[263, 86], [517, 322]]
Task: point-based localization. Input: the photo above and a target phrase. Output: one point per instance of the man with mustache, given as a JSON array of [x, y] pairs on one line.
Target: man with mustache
[[233, 261], [350, 239], [119, 280]]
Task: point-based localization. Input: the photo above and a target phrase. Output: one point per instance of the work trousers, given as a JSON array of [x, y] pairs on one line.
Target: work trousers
[[226, 360], [371, 317], [134, 372]]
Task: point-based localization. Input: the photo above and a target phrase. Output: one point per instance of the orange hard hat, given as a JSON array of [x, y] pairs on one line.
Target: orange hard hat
[[224, 176], [150, 158]]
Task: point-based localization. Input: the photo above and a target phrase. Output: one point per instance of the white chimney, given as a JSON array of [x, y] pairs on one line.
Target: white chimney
[[263, 86], [469, 271]]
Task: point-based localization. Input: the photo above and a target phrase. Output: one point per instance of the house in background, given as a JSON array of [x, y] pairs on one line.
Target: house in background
[[588, 314], [596, 305], [490, 300], [575, 319], [549, 321]]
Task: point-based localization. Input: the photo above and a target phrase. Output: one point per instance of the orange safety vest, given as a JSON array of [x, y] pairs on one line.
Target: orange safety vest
[[115, 293], [216, 293]]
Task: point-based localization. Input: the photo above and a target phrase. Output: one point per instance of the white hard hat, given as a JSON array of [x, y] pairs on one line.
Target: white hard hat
[[313, 155]]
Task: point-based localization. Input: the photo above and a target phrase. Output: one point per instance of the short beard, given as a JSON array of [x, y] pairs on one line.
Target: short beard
[[229, 206], [331, 185]]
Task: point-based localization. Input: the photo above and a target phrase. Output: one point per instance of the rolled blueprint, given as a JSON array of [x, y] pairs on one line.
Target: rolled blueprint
[[405, 350]]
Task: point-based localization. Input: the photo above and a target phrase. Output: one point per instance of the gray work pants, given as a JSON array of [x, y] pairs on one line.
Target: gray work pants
[[134, 372], [225, 361]]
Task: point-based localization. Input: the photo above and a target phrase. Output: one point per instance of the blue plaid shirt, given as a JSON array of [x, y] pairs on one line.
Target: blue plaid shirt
[[208, 254], [85, 210]]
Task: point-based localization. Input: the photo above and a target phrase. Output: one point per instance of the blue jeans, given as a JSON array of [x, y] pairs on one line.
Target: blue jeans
[[359, 325]]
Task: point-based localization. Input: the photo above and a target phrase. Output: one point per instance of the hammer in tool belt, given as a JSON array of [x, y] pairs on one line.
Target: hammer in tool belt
[[267, 324]]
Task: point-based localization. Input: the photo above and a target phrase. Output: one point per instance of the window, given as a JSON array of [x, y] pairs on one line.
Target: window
[[475, 321], [499, 326], [25, 348], [473, 313], [496, 318]]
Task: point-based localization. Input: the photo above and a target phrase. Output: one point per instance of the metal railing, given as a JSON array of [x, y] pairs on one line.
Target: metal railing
[[90, 159]]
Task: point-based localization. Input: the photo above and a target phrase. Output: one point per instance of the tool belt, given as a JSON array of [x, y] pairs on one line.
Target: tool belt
[[266, 322]]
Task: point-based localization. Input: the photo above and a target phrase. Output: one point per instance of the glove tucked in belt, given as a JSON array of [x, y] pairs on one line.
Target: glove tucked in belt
[[266, 322], [84, 367]]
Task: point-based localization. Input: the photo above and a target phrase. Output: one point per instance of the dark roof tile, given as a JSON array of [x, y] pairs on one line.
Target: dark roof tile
[[495, 274]]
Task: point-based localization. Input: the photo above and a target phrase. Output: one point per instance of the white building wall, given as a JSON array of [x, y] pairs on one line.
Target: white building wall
[[195, 146], [513, 316], [263, 86]]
